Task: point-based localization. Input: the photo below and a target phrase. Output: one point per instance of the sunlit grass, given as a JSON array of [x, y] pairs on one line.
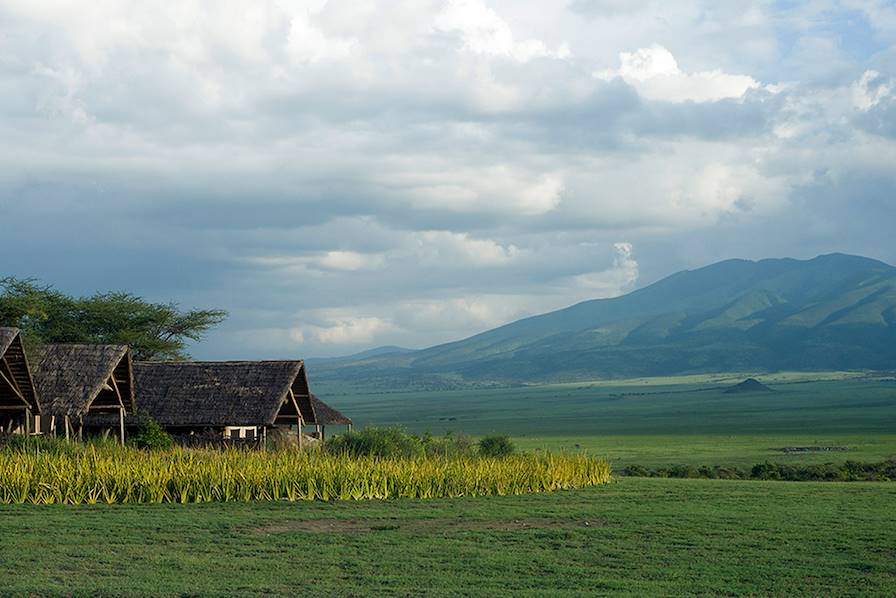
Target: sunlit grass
[[108, 475]]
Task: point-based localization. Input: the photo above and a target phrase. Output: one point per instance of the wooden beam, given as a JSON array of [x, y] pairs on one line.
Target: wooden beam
[[12, 377], [15, 389], [117, 392], [292, 397], [121, 424]]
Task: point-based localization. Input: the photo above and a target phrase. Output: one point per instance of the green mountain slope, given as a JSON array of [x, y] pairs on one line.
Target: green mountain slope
[[832, 312]]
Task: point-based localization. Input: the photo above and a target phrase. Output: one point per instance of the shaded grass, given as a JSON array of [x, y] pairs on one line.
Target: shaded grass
[[662, 421], [643, 537], [837, 407], [663, 450]]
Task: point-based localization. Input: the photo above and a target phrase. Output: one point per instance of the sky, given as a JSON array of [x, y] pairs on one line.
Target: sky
[[346, 174]]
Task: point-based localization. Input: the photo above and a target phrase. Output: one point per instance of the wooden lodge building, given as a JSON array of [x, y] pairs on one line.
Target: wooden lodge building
[[79, 390], [240, 400], [324, 416], [18, 398], [77, 382]]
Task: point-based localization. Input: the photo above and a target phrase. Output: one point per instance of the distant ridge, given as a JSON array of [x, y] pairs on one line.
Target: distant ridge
[[832, 312], [367, 354], [748, 385]]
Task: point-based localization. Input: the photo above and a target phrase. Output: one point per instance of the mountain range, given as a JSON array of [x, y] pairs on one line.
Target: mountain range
[[833, 312]]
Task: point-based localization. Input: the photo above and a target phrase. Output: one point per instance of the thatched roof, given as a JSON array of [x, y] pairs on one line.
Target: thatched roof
[[70, 377], [14, 367], [326, 415], [7, 336], [221, 393]]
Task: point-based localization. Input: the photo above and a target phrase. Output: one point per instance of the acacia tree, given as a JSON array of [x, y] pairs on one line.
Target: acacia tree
[[153, 330]]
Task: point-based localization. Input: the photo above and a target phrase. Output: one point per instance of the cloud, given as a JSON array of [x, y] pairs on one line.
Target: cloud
[[484, 32], [306, 44], [327, 261], [344, 330], [343, 172], [442, 248], [427, 320], [613, 281], [654, 72], [870, 90]]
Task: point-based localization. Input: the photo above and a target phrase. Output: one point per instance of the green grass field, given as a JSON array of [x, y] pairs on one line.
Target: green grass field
[[635, 537], [638, 537], [662, 421]]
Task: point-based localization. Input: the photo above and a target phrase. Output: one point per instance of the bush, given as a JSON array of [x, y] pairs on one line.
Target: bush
[[636, 471], [850, 471], [152, 436], [376, 442], [449, 445], [496, 446]]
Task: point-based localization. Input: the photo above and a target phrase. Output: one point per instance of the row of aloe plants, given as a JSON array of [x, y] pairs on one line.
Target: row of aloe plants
[[95, 475]]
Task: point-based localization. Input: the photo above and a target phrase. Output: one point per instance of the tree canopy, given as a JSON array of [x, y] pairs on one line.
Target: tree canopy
[[153, 330]]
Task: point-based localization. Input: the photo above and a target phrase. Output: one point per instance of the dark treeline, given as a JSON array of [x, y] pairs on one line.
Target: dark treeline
[[850, 471]]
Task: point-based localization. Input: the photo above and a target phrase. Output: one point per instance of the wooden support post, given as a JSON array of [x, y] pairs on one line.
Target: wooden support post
[[121, 424], [323, 431], [27, 422], [68, 427], [300, 433], [80, 428]]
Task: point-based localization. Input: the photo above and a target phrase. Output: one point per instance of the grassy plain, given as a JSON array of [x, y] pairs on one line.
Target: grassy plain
[[637, 537], [663, 421]]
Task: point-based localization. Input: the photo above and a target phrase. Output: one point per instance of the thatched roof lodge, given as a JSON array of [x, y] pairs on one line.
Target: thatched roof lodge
[[18, 398], [327, 416], [237, 399], [74, 381]]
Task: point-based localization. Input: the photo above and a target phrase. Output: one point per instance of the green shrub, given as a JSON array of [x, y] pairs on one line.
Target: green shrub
[[498, 445], [766, 471], [636, 471], [376, 442], [152, 436], [850, 471], [449, 445]]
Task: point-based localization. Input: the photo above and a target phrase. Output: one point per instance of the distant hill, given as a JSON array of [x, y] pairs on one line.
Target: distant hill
[[832, 312], [362, 355], [748, 385]]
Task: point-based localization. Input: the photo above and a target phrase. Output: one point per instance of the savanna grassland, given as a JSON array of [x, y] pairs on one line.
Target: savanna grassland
[[664, 421], [636, 537]]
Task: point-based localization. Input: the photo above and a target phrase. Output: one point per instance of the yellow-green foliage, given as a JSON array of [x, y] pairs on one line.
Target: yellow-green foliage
[[93, 475]]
